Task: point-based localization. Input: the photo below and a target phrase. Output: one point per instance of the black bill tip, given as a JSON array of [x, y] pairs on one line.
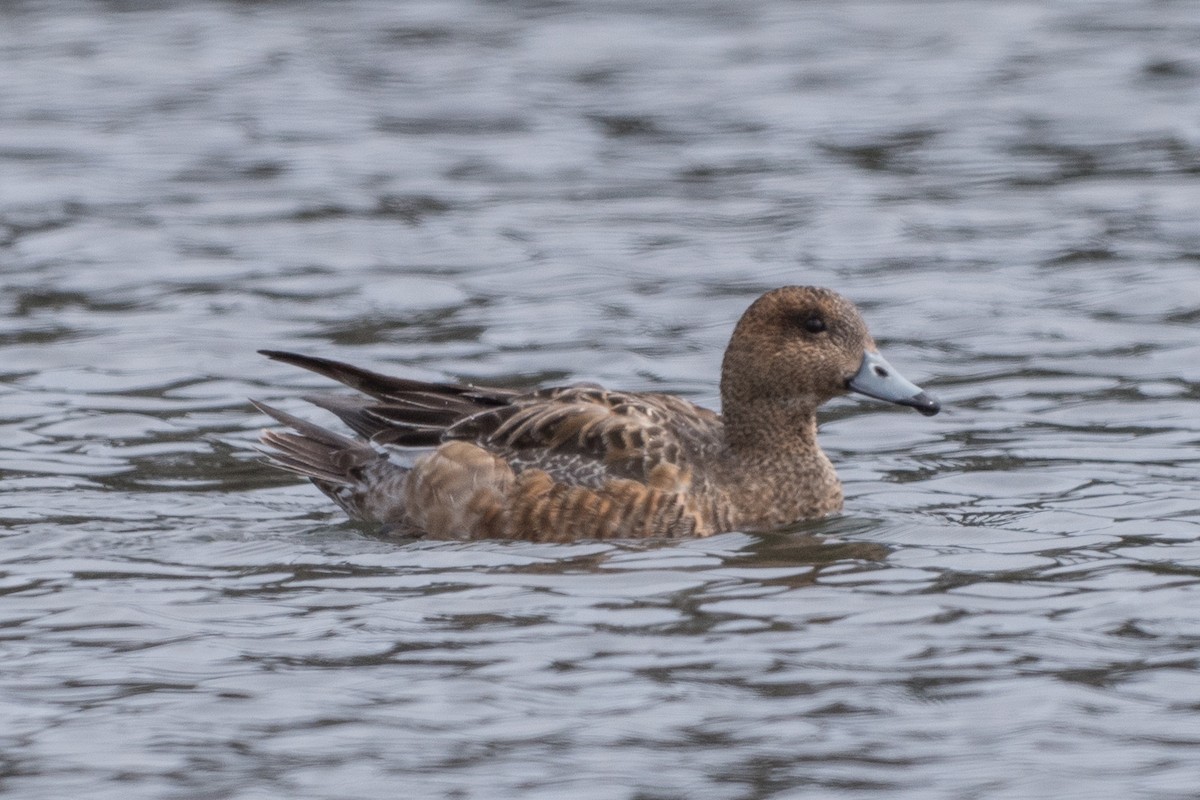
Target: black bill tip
[[922, 402]]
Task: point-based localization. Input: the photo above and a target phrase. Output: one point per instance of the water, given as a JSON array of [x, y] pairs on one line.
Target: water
[[545, 192]]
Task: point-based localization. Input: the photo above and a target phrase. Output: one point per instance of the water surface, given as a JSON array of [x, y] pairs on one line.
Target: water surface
[[535, 193]]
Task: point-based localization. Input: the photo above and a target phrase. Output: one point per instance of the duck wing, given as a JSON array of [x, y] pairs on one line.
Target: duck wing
[[403, 412], [581, 435], [586, 435]]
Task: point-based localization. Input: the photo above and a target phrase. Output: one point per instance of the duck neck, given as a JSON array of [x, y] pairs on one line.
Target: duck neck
[[770, 428], [774, 462]]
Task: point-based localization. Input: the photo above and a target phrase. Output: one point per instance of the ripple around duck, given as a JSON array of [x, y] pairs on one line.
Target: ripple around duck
[[1007, 606]]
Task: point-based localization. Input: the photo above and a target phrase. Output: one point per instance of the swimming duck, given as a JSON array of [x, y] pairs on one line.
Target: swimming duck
[[584, 462]]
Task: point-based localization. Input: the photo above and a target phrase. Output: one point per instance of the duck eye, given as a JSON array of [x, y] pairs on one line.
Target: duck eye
[[813, 324]]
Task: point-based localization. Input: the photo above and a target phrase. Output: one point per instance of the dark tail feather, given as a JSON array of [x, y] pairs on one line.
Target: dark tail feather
[[404, 412], [315, 452], [355, 475], [391, 389]]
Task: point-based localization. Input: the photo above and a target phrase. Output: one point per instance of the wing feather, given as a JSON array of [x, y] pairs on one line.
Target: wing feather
[[580, 435]]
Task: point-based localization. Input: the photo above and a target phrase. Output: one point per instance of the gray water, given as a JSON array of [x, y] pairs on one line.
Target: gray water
[[544, 192]]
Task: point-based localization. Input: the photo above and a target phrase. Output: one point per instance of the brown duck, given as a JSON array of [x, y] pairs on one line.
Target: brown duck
[[583, 462]]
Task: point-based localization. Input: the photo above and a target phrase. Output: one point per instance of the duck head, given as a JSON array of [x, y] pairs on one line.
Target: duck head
[[799, 346]]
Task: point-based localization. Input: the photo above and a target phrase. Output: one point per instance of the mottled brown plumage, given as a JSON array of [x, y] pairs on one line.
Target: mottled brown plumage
[[582, 462]]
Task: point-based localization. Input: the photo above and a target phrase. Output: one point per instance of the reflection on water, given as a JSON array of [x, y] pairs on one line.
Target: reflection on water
[[548, 193]]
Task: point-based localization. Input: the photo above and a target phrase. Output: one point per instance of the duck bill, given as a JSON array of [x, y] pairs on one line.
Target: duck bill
[[879, 379]]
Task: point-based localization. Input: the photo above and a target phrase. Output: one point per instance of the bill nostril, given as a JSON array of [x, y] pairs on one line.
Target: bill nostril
[[881, 372]]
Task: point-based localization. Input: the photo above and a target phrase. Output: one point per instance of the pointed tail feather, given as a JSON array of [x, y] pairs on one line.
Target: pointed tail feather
[[389, 388], [403, 412], [355, 475], [313, 451]]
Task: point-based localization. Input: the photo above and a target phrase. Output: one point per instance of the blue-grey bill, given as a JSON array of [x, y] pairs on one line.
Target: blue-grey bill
[[879, 379]]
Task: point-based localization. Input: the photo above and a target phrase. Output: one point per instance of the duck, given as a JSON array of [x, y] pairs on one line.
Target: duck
[[577, 462]]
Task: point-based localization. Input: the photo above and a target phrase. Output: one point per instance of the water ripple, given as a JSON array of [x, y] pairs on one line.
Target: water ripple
[[541, 194]]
